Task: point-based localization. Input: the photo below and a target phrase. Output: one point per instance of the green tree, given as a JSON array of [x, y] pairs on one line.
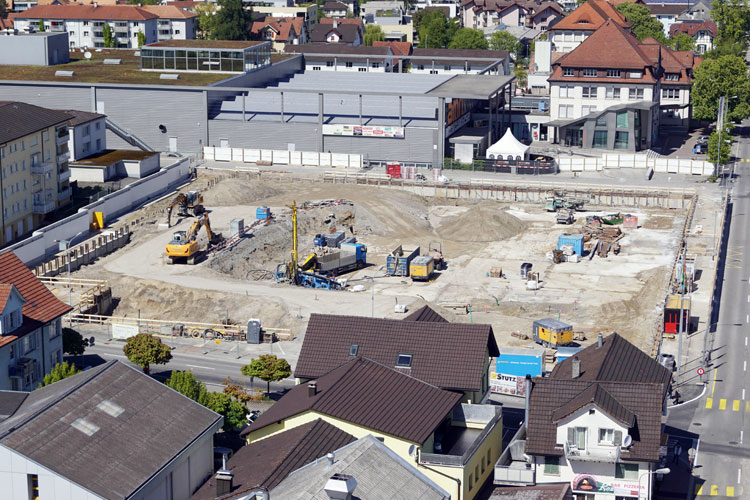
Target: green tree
[[722, 76], [141, 39], [373, 33], [268, 368], [732, 18], [145, 350], [435, 30], [108, 36], [186, 384], [206, 12], [521, 75], [683, 41], [643, 24], [467, 38], [502, 40], [233, 411], [41, 26], [73, 342], [231, 21], [59, 372], [726, 146], [3, 9]]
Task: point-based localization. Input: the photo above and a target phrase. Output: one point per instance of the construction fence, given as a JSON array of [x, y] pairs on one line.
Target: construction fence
[[660, 165], [283, 157]]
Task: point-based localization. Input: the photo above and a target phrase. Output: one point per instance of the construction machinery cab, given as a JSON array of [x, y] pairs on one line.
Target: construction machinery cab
[[178, 238]]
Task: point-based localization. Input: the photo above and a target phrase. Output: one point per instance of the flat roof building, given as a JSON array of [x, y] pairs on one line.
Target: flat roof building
[[34, 49], [223, 56]]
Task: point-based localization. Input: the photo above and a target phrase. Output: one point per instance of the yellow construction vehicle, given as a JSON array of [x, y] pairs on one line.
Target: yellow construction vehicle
[[184, 246], [190, 203]]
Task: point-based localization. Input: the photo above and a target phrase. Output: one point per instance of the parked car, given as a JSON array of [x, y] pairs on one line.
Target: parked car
[[700, 148]]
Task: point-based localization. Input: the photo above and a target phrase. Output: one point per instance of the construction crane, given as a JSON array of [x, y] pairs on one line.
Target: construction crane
[[190, 203], [184, 245]]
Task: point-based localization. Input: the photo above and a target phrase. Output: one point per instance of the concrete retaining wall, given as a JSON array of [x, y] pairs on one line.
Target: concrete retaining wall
[[85, 253]]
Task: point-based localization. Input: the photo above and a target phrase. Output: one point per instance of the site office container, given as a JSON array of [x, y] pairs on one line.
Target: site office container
[[552, 333], [393, 170], [422, 267], [262, 213], [575, 240], [672, 314], [399, 265]]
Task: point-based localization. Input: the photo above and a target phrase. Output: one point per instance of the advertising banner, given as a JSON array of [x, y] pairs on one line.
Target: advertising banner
[[120, 331], [588, 483], [364, 131], [511, 385]]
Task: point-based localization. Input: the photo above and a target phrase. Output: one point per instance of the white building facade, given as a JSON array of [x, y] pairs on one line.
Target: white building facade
[[88, 134]]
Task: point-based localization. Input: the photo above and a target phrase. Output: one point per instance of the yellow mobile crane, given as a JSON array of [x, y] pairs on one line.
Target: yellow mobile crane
[[190, 203], [184, 245]]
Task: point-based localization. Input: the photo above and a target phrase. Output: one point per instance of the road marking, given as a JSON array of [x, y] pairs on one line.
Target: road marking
[[722, 403], [747, 318], [730, 491], [741, 436], [745, 340], [714, 490], [739, 476], [736, 405], [744, 366], [710, 403], [743, 394], [713, 386], [203, 367], [698, 489]]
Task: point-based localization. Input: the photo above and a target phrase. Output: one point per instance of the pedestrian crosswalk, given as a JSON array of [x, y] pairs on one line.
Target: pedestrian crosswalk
[[728, 404], [713, 490]]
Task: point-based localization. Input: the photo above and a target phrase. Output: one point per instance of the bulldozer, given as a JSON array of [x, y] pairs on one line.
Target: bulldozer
[[190, 203], [184, 246]]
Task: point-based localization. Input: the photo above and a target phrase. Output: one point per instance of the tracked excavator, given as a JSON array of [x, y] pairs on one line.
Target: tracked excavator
[[184, 246], [190, 203]]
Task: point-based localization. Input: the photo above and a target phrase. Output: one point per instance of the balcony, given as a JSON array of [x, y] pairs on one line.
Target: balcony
[[64, 194], [42, 168], [512, 468], [43, 207], [62, 137], [63, 176], [608, 454], [62, 158], [454, 445]]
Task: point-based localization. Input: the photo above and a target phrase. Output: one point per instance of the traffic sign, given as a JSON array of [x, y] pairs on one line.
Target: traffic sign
[[701, 371]]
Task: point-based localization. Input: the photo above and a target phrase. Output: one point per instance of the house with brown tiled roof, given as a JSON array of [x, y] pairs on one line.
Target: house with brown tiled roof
[[480, 14], [337, 32], [702, 31], [595, 423], [573, 29], [85, 23], [452, 443], [616, 92], [30, 326], [280, 31], [174, 22]]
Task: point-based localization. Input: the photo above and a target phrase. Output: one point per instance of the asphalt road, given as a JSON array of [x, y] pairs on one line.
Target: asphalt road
[[720, 416]]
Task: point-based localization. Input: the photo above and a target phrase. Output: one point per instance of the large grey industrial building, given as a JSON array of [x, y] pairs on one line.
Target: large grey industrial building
[[383, 116]]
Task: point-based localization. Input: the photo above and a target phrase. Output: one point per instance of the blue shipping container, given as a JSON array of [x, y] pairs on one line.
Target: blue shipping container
[[262, 212], [571, 239], [520, 364]]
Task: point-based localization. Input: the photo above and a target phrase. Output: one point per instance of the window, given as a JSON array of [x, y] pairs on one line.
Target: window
[[626, 471], [98, 125], [622, 119], [33, 482], [552, 466], [585, 110], [52, 330], [316, 68], [329, 64], [87, 130], [569, 72], [471, 481], [577, 437], [489, 456], [433, 72], [403, 359], [613, 92], [34, 141], [349, 64], [670, 93], [23, 146], [589, 92], [589, 72], [606, 436], [375, 65], [98, 144], [621, 140], [85, 23], [635, 93], [601, 120], [353, 350], [672, 77], [85, 33], [362, 69], [565, 111], [636, 74], [613, 73], [566, 91], [600, 139]]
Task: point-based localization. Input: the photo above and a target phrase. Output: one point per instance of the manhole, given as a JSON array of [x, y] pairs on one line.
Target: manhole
[[733, 442], [697, 423]]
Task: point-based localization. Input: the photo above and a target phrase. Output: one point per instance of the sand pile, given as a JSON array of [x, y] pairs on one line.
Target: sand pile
[[482, 223], [230, 192]]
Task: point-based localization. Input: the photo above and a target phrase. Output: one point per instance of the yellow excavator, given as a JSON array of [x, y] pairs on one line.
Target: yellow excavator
[[184, 246], [190, 203]]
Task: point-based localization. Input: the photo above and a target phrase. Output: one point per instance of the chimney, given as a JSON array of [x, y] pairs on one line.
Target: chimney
[[330, 458], [224, 479], [335, 23], [95, 5], [340, 487], [576, 367], [600, 341], [312, 389], [526, 402]]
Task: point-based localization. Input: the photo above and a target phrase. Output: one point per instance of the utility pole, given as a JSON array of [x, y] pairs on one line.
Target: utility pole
[[682, 304]]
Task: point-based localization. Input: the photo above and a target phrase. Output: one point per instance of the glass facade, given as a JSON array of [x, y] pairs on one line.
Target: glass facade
[[600, 139], [206, 60]]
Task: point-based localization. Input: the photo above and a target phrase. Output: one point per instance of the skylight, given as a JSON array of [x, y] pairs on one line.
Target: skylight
[[85, 426], [110, 408], [353, 350], [403, 359]]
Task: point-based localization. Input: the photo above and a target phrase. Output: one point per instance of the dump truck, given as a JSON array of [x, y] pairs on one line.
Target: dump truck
[[397, 263], [565, 217], [351, 256], [422, 267], [558, 202], [552, 332]]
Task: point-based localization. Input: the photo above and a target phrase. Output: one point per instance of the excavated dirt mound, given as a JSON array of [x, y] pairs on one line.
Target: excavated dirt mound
[[482, 223], [231, 192]]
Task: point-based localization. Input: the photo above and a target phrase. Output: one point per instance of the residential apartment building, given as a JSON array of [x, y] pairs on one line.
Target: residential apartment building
[[173, 22], [308, 12], [30, 327], [459, 61], [88, 134], [481, 14], [666, 13], [612, 91], [124, 436], [280, 31], [335, 9], [703, 32], [595, 423], [85, 23], [34, 160], [580, 24]]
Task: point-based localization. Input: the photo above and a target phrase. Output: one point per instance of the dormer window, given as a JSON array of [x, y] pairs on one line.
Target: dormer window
[[589, 72], [403, 360], [672, 77], [613, 73], [11, 321], [569, 72]]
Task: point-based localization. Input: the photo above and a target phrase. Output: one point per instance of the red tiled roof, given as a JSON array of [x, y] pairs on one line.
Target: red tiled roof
[[169, 12], [103, 12], [371, 395], [618, 2], [5, 290], [41, 305], [282, 25], [398, 49], [6, 23], [692, 27], [590, 16]]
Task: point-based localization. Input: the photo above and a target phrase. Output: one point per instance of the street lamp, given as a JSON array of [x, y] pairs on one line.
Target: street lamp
[[663, 470], [67, 255]]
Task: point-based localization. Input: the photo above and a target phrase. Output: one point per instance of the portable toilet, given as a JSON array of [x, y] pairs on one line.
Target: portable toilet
[[253, 331], [552, 332]]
